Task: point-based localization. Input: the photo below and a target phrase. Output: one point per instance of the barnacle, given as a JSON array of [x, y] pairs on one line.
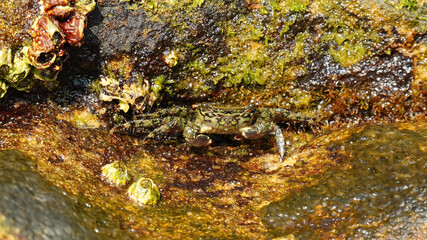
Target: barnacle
[[49, 4], [60, 12], [116, 173], [47, 38], [127, 94], [144, 191], [74, 27], [34, 50], [49, 74], [20, 68], [171, 58]]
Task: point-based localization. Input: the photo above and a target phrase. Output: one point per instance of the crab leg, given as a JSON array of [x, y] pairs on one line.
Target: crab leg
[[260, 129], [265, 125], [175, 111], [280, 141], [276, 114], [171, 123], [136, 127]]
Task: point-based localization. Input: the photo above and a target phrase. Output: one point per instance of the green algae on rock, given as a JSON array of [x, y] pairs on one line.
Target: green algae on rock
[[351, 58], [144, 191]]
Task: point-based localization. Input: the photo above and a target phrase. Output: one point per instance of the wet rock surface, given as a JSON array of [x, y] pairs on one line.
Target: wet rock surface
[[383, 194], [39, 210], [350, 64], [16, 18], [381, 76], [222, 191]]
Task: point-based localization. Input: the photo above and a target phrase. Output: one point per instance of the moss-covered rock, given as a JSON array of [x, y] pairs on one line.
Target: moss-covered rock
[[339, 58], [347, 62]]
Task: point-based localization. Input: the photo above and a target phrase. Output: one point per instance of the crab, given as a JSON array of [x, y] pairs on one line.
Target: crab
[[246, 122]]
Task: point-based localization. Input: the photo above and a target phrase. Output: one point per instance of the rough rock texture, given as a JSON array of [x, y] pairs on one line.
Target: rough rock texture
[[38, 210], [356, 66], [382, 194], [343, 60]]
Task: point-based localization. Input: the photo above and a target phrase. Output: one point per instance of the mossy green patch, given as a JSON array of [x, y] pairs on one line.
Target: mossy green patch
[[297, 5], [163, 6], [289, 5], [276, 52], [408, 4], [348, 54]]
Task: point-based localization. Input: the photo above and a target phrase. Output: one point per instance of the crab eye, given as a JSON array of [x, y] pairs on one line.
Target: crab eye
[[250, 107]]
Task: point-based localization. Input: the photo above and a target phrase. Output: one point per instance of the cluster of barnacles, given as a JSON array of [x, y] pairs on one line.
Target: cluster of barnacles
[[59, 22]]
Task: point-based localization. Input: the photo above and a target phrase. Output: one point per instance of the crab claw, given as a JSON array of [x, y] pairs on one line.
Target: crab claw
[[261, 129], [192, 137], [200, 140], [280, 141]]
